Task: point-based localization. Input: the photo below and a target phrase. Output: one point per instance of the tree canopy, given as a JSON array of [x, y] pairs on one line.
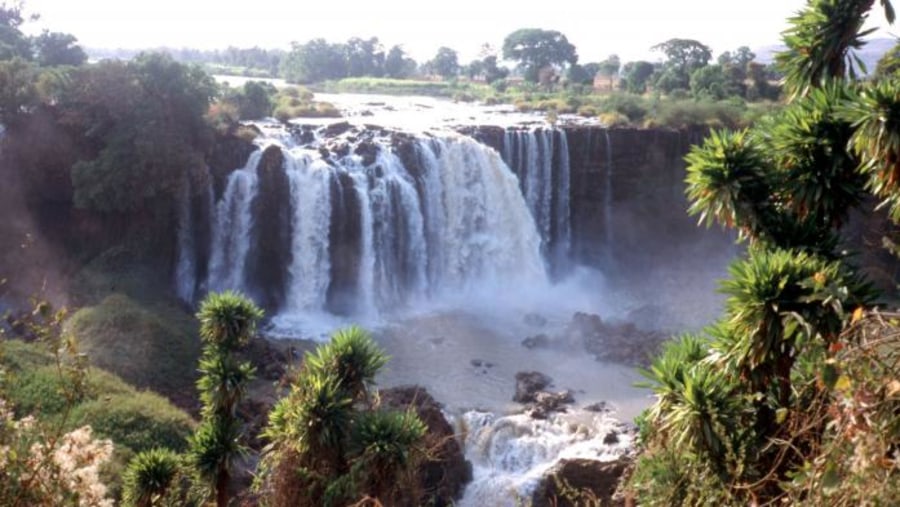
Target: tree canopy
[[445, 63], [535, 49], [683, 57]]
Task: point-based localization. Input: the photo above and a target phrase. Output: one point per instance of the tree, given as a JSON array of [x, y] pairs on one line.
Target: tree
[[609, 68], [54, 48], [255, 101], [146, 118], [821, 40], [711, 82], [889, 63], [751, 416], [365, 57], [329, 444], [683, 57], [398, 65], [227, 322], [536, 49], [445, 63], [13, 43], [315, 61], [578, 75], [636, 75], [151, 475], [17, 89]]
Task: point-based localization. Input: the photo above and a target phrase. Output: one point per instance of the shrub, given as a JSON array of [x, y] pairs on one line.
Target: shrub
[[614, 120], [137, 420], [149, 345], [627, 104]]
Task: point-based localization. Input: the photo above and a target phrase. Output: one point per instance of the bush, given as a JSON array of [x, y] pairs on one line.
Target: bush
[[683, 114], [614, 120], [149, 345], [40, 391], [631, 106], [139, 421]]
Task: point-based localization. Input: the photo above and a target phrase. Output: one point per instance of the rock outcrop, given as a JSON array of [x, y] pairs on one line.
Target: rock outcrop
[[531, 390], [620, 343], [443, 477], [576, 482]]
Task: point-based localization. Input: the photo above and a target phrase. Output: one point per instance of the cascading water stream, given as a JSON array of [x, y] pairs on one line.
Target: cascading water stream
[[448, 219], [608, 200], [540, 159], [231, 230]]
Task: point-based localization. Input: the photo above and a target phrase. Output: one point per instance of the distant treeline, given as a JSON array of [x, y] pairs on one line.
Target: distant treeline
[[266, 60]]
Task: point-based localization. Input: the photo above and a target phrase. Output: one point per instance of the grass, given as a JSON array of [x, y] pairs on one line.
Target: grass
[[151, 345]]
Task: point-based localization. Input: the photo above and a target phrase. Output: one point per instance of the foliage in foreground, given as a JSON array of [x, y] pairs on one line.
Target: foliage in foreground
[[780, 401], [329, 443]]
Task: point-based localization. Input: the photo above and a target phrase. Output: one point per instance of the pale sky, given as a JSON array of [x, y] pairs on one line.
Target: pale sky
[[596, 27]]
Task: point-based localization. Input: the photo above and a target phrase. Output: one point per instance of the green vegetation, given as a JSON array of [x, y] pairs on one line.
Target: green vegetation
[[150, 477], [295, 102], [227, 322], [49, 379], [537, 51], [147, 344], [330, 445], [766, 405]]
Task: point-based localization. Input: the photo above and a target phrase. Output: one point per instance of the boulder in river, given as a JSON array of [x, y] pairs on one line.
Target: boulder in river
[[575, 482]]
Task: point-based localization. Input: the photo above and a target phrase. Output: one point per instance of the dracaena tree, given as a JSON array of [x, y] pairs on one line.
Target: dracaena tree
[[741, 420]]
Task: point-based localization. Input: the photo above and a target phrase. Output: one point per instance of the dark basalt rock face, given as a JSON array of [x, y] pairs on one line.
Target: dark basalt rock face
[[345, 245], [228, 153], [442, 478], [591, 480], [269, 258]]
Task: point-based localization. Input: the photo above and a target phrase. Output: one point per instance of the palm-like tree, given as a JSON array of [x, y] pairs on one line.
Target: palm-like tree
[[875, 116], [352, 357], [820, 42], [149, 477], [328, 444], [227, 321]]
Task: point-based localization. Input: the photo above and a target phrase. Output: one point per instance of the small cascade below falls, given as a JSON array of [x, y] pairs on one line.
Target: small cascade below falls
[[371, 220], [510, 454], [540, 159]]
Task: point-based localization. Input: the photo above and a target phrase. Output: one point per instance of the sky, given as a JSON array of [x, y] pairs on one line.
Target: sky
[[597, 28]]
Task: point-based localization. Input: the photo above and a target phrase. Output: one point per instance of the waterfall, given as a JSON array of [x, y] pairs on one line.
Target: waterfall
[[310, 184], [540, 159], [231, 228], [373, 232]]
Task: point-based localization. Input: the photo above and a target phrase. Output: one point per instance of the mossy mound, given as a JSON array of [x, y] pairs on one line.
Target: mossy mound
[[151, 345]]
